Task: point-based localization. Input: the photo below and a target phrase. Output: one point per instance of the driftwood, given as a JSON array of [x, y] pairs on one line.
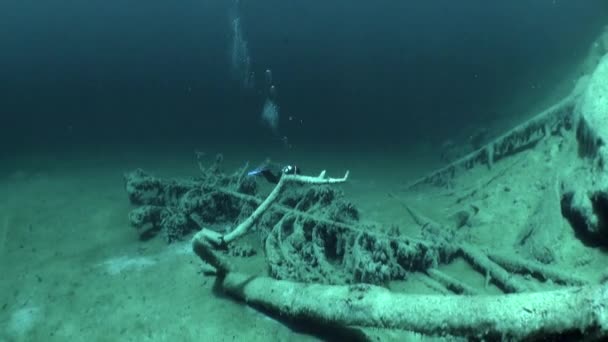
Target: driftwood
[[323, 260], [527, 315], [206, 241], [322, 257], [323, 264], [309, 233]]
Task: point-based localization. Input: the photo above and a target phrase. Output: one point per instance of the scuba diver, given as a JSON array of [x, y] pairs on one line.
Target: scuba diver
[[272, 172]]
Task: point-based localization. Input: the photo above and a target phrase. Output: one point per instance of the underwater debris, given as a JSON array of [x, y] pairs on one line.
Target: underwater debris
[[373, 306]]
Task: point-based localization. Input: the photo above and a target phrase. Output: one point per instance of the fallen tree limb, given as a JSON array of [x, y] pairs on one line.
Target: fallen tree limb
[[434, 284], [570, 312], [519, 265], [499, 275], [580, 310], [451, 283], [520, 138], [242, 228], [206, 242]]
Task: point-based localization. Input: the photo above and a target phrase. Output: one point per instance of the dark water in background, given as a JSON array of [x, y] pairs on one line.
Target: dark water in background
[[79, 72]]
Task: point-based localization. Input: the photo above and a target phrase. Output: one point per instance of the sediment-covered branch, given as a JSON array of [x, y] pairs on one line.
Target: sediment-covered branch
[[206, 241], [573, 311], [520, 138]]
